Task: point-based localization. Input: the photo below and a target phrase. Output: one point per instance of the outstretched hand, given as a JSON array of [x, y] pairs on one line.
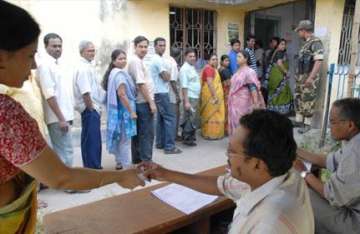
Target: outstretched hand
[[130, 178], [152, 170]]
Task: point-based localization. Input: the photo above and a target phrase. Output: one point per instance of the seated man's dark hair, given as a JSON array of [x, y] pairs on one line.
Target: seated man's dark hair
[[349, 109], [270, 139], [18, 28]]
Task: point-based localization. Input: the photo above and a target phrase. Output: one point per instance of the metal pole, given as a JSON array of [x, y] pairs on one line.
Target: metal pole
[[327, 106], [354, 48]]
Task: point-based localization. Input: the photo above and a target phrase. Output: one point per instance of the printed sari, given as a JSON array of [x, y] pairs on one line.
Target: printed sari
[[20, 215], [280, 98], [225, 75], [212, 114], [240, 100]]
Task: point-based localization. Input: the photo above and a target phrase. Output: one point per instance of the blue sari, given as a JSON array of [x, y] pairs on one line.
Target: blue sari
[[119, 121]]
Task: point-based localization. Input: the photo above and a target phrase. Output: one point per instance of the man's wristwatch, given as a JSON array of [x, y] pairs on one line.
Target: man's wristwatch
[[303, 174]]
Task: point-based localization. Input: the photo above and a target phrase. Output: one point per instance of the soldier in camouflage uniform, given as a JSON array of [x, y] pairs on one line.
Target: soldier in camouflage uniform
[[307, 76]]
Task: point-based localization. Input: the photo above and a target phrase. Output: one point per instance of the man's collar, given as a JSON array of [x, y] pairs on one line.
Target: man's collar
[[355, 138], [139, 57], [51, 58], [82, 59], [250, 200], [309, 38]]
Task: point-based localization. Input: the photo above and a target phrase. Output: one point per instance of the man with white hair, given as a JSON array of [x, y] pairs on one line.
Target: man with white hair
[[88, 98]]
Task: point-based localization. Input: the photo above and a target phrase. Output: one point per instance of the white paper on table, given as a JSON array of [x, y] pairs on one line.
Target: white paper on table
[[182, 198]]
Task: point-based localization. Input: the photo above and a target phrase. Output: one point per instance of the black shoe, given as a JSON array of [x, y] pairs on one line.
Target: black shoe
[[304, 129], [42, 187], [297, 124], [189, 143], [173, 151], [159, 147]]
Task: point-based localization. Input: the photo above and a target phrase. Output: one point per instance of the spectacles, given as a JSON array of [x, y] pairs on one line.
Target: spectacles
[[335, 122]]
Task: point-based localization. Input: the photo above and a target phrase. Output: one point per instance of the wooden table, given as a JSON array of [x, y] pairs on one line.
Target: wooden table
[[134, 212]]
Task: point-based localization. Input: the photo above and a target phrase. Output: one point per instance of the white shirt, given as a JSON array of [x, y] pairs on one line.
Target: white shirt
[[140, 74], [172, 68], [280, 206], [55, 81], [85, 81]]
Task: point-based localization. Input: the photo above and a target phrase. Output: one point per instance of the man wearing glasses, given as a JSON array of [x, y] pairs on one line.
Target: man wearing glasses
[[336, 203], [270, 197]]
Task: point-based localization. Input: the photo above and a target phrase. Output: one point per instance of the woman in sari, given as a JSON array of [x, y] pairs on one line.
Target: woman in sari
[[121, 112], [212, 109], [225, 74], [280, 98], [244, 95], [25, 158]]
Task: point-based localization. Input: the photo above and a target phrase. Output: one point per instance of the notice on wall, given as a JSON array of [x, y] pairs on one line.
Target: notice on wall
[[320, 31], [233, 31]]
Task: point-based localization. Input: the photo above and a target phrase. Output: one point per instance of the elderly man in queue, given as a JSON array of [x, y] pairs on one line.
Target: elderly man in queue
[[88, 100]]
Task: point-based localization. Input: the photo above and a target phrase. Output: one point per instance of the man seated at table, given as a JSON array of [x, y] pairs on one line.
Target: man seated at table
[[336, 203], [270, 197]]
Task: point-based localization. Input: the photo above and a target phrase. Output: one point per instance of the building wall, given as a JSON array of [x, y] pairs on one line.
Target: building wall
[[151, 19], [103, 22], [328, 21]]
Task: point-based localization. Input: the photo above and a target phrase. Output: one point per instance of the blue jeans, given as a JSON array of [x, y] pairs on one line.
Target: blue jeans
[[142, 143], [91, 139], [62, 143], [165, 122]]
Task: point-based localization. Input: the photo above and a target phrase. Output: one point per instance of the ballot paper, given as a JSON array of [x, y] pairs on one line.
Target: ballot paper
[[182, 198]]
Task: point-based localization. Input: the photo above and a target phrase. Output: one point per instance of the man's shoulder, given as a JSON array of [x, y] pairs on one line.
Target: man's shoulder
[[134, 59]]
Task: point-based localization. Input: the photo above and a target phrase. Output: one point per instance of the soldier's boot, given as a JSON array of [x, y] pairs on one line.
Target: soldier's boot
[[306, 127], [299, 121]]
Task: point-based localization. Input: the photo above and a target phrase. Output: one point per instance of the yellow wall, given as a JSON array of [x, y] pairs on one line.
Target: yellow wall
[[328, 15], [224, 17], [151, 19], [148, 18]]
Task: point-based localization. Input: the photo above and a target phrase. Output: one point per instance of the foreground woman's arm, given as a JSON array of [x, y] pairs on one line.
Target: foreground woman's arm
[[48, 169]]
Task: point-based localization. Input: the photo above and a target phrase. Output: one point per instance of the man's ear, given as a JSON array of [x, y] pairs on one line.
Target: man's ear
[[353, 127], [260, 165]]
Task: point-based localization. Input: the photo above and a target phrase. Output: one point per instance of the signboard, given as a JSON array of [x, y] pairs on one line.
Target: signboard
[[233, 31]]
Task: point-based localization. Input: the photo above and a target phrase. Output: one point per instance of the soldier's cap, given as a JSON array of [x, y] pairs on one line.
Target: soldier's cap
[[304, 24]]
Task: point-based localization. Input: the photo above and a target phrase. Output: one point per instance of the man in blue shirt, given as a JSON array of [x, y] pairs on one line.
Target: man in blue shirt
[[166, 117], [235, 49]]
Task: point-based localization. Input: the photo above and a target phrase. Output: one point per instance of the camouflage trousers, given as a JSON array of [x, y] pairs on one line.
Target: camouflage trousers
[[306, 97]]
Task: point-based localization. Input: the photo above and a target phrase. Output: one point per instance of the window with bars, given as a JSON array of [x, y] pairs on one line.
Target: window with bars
[[195, 28], [345, 39]]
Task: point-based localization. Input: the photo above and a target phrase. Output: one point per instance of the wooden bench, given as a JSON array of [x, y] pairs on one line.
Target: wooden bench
[[134, 212]]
